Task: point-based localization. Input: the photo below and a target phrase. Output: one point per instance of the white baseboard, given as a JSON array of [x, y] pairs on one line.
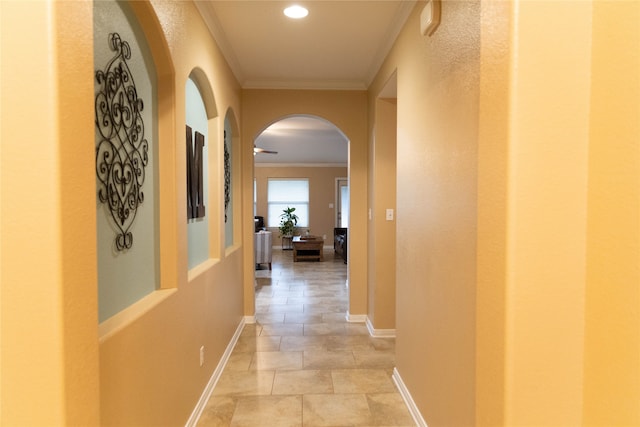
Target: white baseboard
[[250, 320], [408, 400], [208, 390], [356, 318], [380, 333]]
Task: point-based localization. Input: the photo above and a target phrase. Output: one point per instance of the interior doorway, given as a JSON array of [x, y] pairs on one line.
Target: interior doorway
[[381, 254], [342, 202], [302, 149], [294, 149]]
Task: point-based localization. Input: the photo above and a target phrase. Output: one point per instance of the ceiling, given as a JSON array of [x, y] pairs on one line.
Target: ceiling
[[339, 45], [302, 140]]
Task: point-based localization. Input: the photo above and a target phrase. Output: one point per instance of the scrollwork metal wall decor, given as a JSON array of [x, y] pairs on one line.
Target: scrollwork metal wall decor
[[122, 150], [227, 177]]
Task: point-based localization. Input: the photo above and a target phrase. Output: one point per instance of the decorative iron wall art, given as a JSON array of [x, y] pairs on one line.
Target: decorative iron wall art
[[195, 171], [227, 177], [122, 150]]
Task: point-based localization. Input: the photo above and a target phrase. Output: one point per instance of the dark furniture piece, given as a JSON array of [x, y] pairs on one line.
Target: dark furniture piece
[[340, 242], [259, 223], [307, 248]]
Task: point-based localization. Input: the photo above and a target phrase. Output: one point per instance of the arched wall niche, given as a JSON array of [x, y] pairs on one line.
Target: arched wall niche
[[233, 121], [153, 260], [150, 25], [213, 157], [198, 149], [204, 86], [234, 217]]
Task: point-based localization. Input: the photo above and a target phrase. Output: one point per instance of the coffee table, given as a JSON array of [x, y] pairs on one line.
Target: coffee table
[[308, 248]]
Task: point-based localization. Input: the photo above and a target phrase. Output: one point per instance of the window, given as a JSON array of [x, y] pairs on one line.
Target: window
[[284, 193]]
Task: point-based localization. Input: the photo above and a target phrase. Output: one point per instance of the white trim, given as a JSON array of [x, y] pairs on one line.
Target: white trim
[[208, 390], [380, 333], [305, 84], [408, 400], [110, 327], [249, 320], [399, 19], [356, 318], [211, 21]]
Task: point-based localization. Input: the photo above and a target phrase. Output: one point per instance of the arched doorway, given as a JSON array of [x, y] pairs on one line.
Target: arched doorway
[[347, 110], [299, 160]]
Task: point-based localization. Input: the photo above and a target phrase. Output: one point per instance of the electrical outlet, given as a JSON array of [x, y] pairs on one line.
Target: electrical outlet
[[201, 355], [389, 214]]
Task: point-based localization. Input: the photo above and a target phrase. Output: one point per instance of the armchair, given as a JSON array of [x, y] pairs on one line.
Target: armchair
[[262, 247]]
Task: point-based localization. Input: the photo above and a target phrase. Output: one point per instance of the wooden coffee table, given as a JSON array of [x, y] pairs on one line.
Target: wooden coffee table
[[308, 248]]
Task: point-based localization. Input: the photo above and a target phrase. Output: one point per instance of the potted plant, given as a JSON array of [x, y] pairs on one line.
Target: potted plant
[[288, 221]]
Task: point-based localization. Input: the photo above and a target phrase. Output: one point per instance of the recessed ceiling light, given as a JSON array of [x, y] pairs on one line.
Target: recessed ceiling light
[[296, 12]]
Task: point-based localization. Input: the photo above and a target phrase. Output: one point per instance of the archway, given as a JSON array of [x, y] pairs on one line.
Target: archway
[[305, 152], [347, 110]]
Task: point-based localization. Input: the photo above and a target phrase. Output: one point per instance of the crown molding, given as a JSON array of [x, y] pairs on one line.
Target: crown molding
[[305, 84], [404, 10], [215, 28], [213, 24]]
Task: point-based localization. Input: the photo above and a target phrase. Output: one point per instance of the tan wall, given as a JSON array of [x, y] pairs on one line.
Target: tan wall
[[546, 223], [437, 113], [140, 367], [382, 232], [347, 110], [322, 192], [612, 325], [49, 337], [558, 215], [492, 214], [149, 367], [555, 295]]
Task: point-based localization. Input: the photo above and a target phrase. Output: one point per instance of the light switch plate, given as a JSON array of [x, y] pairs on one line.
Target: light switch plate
[[389, 214]]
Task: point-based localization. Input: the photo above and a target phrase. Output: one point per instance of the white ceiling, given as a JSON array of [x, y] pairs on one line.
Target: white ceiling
[[339, 45], [302, 140]]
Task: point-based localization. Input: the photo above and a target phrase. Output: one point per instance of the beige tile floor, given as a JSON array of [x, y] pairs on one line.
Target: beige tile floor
[[302, 364]]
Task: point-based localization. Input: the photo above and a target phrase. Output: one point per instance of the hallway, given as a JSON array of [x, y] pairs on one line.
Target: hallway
[[302, 364]]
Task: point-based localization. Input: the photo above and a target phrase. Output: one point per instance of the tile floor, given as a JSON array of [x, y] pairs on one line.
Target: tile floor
[[302, 364]]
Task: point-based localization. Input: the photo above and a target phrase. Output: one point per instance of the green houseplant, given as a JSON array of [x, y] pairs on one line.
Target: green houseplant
[[288, 221]]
